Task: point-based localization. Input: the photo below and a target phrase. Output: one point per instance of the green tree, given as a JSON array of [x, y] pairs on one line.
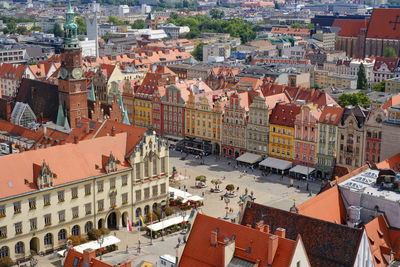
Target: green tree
[[390, 52], [296, 25], [115, 20], [362, 82], [198, 52], [379, 87], [216, 13], [81, 25], [359, 98], [36, 28], [31, 61], [11, 27], [138, 24], [57, 30], [282, 23], [22, 30], [230, 188], [94, 234]]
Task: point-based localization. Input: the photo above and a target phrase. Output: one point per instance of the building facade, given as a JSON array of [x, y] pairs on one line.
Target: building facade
[[234, 128], [373, 136], [390, 133], [306, 135], [351, 138], [173, 116], [281, 131], [327, 138], [51, 199], [257, 131]]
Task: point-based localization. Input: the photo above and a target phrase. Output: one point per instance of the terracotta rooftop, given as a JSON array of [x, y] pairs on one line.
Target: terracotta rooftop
[[251, 245], [383, 25], [284, 114], [393, 101], [326, 243], [351, 27], [391, 63], [18, 177], [87, 259], [331, 115], [327, 206]]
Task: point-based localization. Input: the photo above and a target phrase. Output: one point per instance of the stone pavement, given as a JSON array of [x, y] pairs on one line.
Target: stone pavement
[[271, 190]]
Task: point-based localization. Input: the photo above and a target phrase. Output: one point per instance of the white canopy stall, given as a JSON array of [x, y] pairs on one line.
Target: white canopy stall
[[249, 158], [277, 164], [108, 241]]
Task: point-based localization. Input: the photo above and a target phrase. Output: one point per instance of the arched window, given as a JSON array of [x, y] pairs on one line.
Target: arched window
[[154, 207], [138, 212], [4, 252], [19, 248], [48, 239], [146, 209], [75, 230], [88, 226], [62, 234]]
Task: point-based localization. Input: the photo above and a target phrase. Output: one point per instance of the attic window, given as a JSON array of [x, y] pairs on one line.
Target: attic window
[[248, 250], [371, 241], [233, 237], [378, 261]]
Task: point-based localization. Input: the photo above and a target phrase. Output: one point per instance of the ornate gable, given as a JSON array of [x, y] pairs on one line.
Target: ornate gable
[[42, 175], [110, 163]]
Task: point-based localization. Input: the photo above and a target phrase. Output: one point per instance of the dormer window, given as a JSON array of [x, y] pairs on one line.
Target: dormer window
[[43, 175]]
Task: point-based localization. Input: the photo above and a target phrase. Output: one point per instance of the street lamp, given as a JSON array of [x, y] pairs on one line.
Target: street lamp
[[100, 241], [227, 200]]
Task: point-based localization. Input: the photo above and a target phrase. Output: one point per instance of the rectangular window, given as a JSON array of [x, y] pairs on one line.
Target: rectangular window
[[146, 193], [75, 212], [163, 165], [32, 203], [155, 190], [100, 186], [18, 228], [124, 198], [312, 147], [17, 207], [112, 183], [100, 205], [124, 180], [154, 166], [3, 232], [88, 208], [305, 146], [137, 171], [146, 169], [46, 200], [74, 192], [87, 189], [138, 194], [163, 188], [61, 216], [2, 211], [33, 223], [60, 196], [47, 220], [113, 201]]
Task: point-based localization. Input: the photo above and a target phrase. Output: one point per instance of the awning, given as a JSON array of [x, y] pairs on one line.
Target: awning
[[185, 195], [108, 240], [249, 158], [279, 164], [302, 169], [167, 223]]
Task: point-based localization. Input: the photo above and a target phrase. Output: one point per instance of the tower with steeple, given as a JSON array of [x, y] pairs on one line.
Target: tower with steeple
[[72, 84]]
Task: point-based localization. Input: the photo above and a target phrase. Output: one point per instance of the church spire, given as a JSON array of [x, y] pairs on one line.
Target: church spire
[[70, 27]]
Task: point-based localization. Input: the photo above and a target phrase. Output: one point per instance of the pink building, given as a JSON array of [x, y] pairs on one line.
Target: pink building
[[306, 135]]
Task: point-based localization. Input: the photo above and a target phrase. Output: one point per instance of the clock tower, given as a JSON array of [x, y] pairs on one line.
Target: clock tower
[[72, 84]]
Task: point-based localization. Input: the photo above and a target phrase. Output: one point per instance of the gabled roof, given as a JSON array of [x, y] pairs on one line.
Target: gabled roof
[[80, 163], [391, 63], [326, 243], [383, 24], [11, 71], [199, 252], [331, 115], [327, 206], [42, 97], [284, 114], [107, 69]]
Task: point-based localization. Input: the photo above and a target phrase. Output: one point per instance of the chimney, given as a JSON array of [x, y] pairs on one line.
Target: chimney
[[44, 129], [88, 254], [272, 248], [75, 139], [266, 229], [213, 241], [281, 232], [113, 131], [260, 226]]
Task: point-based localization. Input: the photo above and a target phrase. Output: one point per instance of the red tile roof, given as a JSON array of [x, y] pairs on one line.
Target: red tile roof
[[290, 31], [331, 115], [327, 206], [88, 259], [199, 252], [351, 27], [284, 114], [86, 154], [391, 63], [107, 69], [383, 25], [12, 71], [394, 100]]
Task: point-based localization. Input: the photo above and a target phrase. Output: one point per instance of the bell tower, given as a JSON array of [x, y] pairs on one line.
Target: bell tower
[[72, 84]]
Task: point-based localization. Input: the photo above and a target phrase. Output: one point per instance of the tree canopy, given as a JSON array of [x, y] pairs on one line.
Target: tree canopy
[[198, 24], [362, 82], [216, 13], [57, 30], [81, 25], [359, 98], [198, 52], [379, 87], [138, 24], [389, 52], [115, 20]]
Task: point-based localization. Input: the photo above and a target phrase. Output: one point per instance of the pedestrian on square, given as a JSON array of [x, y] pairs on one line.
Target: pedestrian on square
[[307, 185]]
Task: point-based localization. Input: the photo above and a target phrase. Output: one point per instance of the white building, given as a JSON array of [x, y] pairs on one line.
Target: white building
[[89, 47]]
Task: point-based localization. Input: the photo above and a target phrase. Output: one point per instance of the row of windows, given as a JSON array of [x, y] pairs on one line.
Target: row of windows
[[280, 151], [284, 131]]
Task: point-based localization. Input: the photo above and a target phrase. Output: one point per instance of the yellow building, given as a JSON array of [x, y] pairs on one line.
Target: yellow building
[[203, 121], [142, 110], [392, 86], [282, 131], [325, 79]]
